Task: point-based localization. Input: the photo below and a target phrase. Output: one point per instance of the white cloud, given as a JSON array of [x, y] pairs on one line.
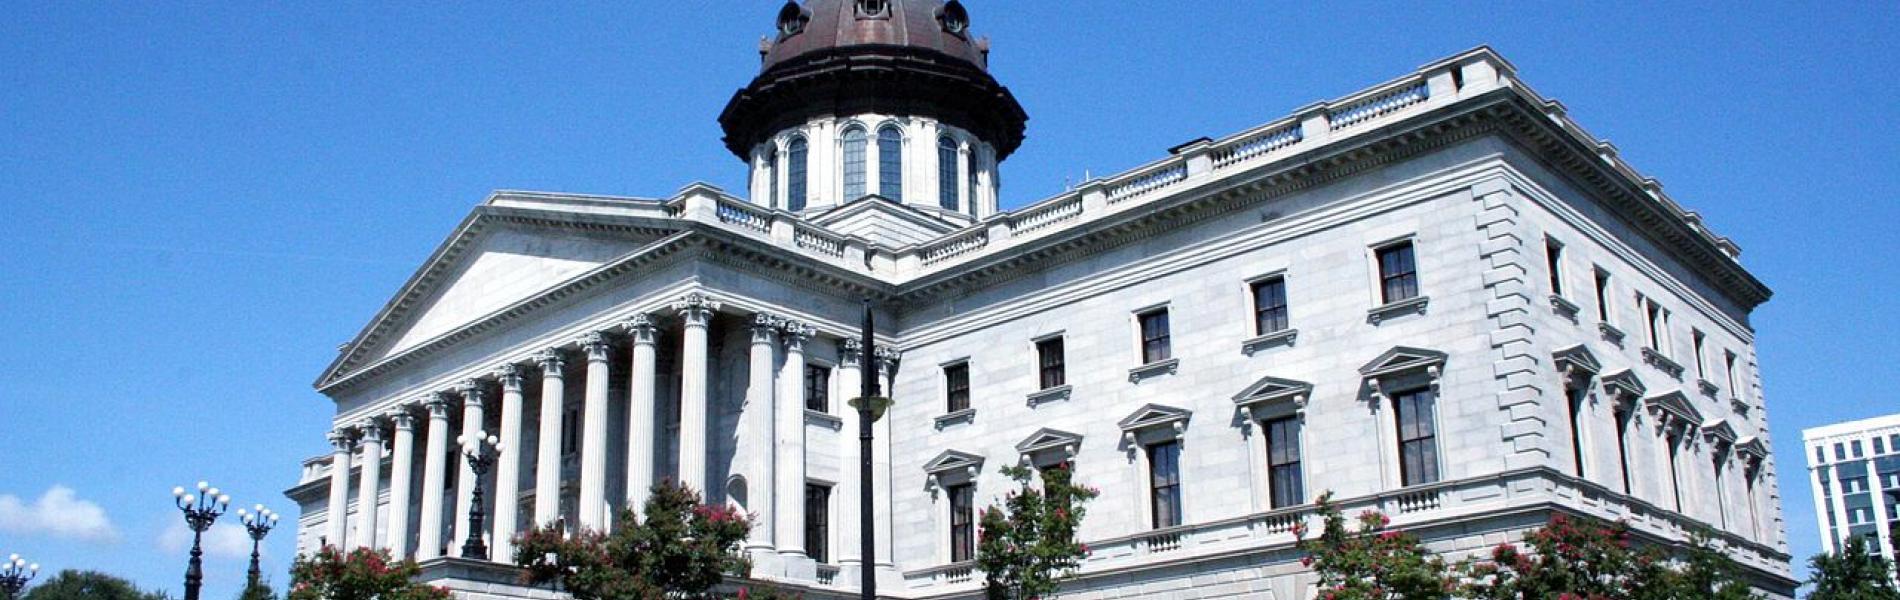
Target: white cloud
[[58, 513], [223, 540]]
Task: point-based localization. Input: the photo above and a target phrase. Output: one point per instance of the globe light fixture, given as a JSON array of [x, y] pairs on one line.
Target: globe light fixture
[[14, 575], [475, 449], [201, 510], [258, 522]]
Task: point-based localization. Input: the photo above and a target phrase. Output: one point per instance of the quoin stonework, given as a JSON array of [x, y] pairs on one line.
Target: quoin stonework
[[1438, 297]]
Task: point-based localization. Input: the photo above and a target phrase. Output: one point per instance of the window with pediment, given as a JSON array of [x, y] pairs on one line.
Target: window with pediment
[[1154, 432], [952, 474], [1404, 382], [1278, 406]]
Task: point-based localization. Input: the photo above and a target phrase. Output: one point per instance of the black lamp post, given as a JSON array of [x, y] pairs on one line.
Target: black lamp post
[[870, 407], [14, 574], [259, 524], [201, 510], [475, 450]]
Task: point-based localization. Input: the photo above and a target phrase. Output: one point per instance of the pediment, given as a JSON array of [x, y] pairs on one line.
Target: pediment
[[1752, 447], [952, 461], [1624, 384], [1718, 430], [1401, 359], [884, 222], [1675, 405], [498, 257], [1274, 389], [1576, 361], [1049, 439], [1155, 415]]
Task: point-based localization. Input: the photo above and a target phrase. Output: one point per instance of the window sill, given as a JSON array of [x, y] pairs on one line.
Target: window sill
[[1054, 394], [1708, 389], [1564, 307], [967, 415], [1415, 304], [1611, 334], [1154, 369], [1282, 337], [1662, 363], [1740, 407], [823, 419]]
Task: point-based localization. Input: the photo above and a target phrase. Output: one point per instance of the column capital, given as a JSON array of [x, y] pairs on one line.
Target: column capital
[[849, 350], [696, 308], [403, 420], [438, 406], [509, 375], [794, 334], [551, 361], [341, 439], [372, 433], [596, 346], [474, 391], [764, 327], [889, 357], [640, 328]]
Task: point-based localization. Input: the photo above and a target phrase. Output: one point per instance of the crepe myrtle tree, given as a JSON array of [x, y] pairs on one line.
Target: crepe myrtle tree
[[1370, 562], [1028, 544], [360, 574], [1579, 558], [676, 547]]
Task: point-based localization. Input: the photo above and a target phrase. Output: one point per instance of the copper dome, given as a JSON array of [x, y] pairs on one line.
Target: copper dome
[[839, 57]]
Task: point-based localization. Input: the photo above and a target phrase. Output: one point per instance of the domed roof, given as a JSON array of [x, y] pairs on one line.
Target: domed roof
[[895, 57], [827, 24]]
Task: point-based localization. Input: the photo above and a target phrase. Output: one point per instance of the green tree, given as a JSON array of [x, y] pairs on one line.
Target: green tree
[[257, 591], [681, 549], [1853, 574], [1705, 573], [1567, 558], [88, 585], [361, 574], [1371, 562], [1028, 544]]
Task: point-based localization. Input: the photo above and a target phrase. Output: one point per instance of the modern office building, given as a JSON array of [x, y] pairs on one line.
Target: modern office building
[[1439, 297], [1855, 470]]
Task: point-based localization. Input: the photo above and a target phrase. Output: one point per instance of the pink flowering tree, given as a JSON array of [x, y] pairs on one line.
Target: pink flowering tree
[[361, 574], [1028, 545], [1580, 559], [1371, 562], [680, 549]]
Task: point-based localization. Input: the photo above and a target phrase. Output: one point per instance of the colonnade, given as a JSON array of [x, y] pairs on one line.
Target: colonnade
[[774, 415]]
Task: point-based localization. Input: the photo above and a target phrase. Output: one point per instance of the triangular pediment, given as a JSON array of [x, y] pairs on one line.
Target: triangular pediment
[[950, 461], [1675, 405], [1401, 359], [1624, 384], [885, 222], [1049, 439], [1576, 361], [1718, 430], [1752, 447], [1154, 415], [1274, 389]]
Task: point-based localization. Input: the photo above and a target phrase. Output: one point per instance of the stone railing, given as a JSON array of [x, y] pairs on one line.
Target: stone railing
[[1382, 102], [1045, 214], [1259, 142], [953, 247], [817, 240], [1142, 182], [744, 214], [1447, 502]]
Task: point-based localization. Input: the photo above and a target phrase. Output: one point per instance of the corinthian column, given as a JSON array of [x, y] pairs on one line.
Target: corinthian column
[[641, 418], [337, 520], [791, 442], [547, 465], [508, 466], [849, 537], [759, 426], [473, 399], [370, 489], [697, 311], [434, 467], [401, 464], [593, 504]]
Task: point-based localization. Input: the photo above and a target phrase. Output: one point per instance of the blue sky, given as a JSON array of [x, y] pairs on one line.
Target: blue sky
[[204, 200]]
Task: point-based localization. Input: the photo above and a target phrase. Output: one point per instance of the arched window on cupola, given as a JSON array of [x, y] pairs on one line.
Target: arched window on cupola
[[947, 173], [794, 175], [853, 163], [890, 163]]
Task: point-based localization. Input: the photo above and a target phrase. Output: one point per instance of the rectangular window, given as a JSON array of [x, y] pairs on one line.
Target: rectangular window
[[1657, 320], [1283, 462], [1398, 273], [1855, 445], [1049, 363], [1820, 455], [818, 388], [1674, 443], [1728, 369], [962, 522], [1269, 305], [1418, 437], [1164, 483], [1700, 341], [1553, 258], [1154, 336], [1880, 446], [571, 431], [1623, 418], [1575, 405], [818, 522], [1840, 451], [956, 386], [1603, 295]]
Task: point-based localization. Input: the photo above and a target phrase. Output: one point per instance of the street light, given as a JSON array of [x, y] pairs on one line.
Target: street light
[[201, 510], [258, 523], [14, 574], [475, 450], [870, 407]]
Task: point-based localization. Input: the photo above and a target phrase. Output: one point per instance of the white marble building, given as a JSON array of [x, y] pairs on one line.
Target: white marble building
[[1438, 297]]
